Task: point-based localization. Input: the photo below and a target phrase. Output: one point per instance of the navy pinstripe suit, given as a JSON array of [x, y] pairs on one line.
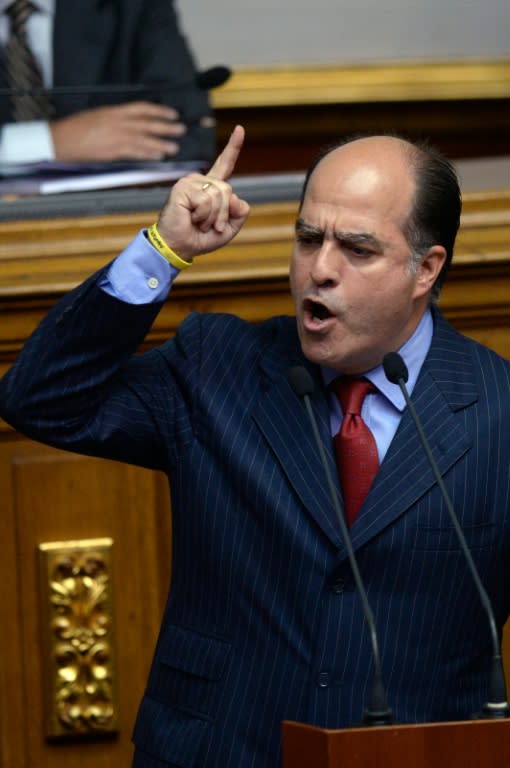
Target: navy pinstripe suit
[[263, 622]]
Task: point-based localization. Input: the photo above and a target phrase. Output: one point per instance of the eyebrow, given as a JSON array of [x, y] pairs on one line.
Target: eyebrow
[[343, 237]]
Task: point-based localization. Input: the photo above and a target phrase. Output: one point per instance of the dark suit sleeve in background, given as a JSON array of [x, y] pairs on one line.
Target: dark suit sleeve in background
[[163, 53]]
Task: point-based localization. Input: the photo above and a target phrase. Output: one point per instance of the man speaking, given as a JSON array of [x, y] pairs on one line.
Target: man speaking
[[264, 622]]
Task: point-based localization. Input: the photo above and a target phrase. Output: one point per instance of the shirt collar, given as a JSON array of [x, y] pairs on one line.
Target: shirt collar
[[413, 352], [45, 6]]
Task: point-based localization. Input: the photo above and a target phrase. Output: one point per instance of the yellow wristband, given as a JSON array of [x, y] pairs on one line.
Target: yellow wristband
[[164, 249]]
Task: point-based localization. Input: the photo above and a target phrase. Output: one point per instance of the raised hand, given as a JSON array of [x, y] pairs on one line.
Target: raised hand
[[202, 213]]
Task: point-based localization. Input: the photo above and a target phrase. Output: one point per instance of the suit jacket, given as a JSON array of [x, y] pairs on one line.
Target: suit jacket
[[126, 42], [263, 622]]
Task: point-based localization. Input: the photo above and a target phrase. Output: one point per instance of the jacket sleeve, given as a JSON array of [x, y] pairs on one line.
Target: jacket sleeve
[[163, 54], [78, 384]]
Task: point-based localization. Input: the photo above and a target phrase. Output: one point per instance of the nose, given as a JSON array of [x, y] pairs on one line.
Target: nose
[[324, 267]]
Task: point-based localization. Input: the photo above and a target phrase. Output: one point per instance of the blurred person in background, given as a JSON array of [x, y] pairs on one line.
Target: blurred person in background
[[89, 81]]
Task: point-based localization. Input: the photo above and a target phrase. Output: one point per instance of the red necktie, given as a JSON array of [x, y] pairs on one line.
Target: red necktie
[[355, 447]]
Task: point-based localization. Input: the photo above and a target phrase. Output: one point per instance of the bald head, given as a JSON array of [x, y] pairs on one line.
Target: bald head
[[369, 171], [390, 155]]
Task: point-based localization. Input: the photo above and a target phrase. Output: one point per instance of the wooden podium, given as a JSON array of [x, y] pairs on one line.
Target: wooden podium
[[466, 744]]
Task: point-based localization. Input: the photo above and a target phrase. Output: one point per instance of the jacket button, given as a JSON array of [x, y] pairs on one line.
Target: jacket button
[[337, 586], [323, 680]]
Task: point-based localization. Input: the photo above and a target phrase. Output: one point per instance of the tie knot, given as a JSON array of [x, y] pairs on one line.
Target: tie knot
[[351, 393], [19, 11]]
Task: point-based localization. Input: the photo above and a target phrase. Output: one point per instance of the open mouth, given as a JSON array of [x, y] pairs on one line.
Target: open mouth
[[316, 311]]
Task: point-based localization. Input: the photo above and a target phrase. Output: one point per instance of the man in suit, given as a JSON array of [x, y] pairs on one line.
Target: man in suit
[[89, 45], [263, 621]]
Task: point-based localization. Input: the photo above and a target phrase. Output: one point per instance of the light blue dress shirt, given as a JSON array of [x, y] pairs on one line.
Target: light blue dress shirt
[[140, 275]]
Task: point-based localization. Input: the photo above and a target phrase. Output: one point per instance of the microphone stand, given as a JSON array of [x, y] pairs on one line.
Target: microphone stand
[[378, 711]]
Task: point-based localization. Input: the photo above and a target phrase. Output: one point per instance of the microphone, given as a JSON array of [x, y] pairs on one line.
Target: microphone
[[497, 706], [206, 80], [378, 712], [213, 77]]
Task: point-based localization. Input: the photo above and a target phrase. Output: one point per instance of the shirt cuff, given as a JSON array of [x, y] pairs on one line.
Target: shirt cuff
[[26, 143], [139, 275]]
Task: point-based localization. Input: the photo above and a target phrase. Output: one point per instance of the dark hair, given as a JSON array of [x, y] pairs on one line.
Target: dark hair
[[435, 214]]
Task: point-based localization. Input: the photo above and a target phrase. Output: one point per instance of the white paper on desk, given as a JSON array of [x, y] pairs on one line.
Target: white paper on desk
[[55, 167], [80, 178]]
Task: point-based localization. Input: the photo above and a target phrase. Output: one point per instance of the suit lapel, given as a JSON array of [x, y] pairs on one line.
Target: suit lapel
[[283, 419], [444, 387]]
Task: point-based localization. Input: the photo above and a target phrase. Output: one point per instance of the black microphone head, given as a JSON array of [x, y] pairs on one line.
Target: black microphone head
[[213, 77], [301, 381], [394, 367]]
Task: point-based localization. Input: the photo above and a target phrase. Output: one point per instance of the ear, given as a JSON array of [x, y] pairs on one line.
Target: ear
[[429, 269]]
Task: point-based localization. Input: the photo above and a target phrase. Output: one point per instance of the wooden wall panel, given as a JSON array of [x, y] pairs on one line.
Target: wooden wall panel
[[290, 113], [13, 749], [56, 496]]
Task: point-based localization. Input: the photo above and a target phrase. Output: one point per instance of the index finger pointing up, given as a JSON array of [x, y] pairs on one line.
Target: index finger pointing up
[[225, 163]]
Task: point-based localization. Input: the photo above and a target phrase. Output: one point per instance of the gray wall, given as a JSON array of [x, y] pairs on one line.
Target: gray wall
[[258, 33]]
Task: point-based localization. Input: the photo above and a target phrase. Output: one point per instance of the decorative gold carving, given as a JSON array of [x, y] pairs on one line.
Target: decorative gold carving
[[78, 632]]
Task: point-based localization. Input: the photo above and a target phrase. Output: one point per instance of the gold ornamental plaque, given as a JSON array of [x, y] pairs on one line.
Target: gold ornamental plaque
[[78, 638]]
